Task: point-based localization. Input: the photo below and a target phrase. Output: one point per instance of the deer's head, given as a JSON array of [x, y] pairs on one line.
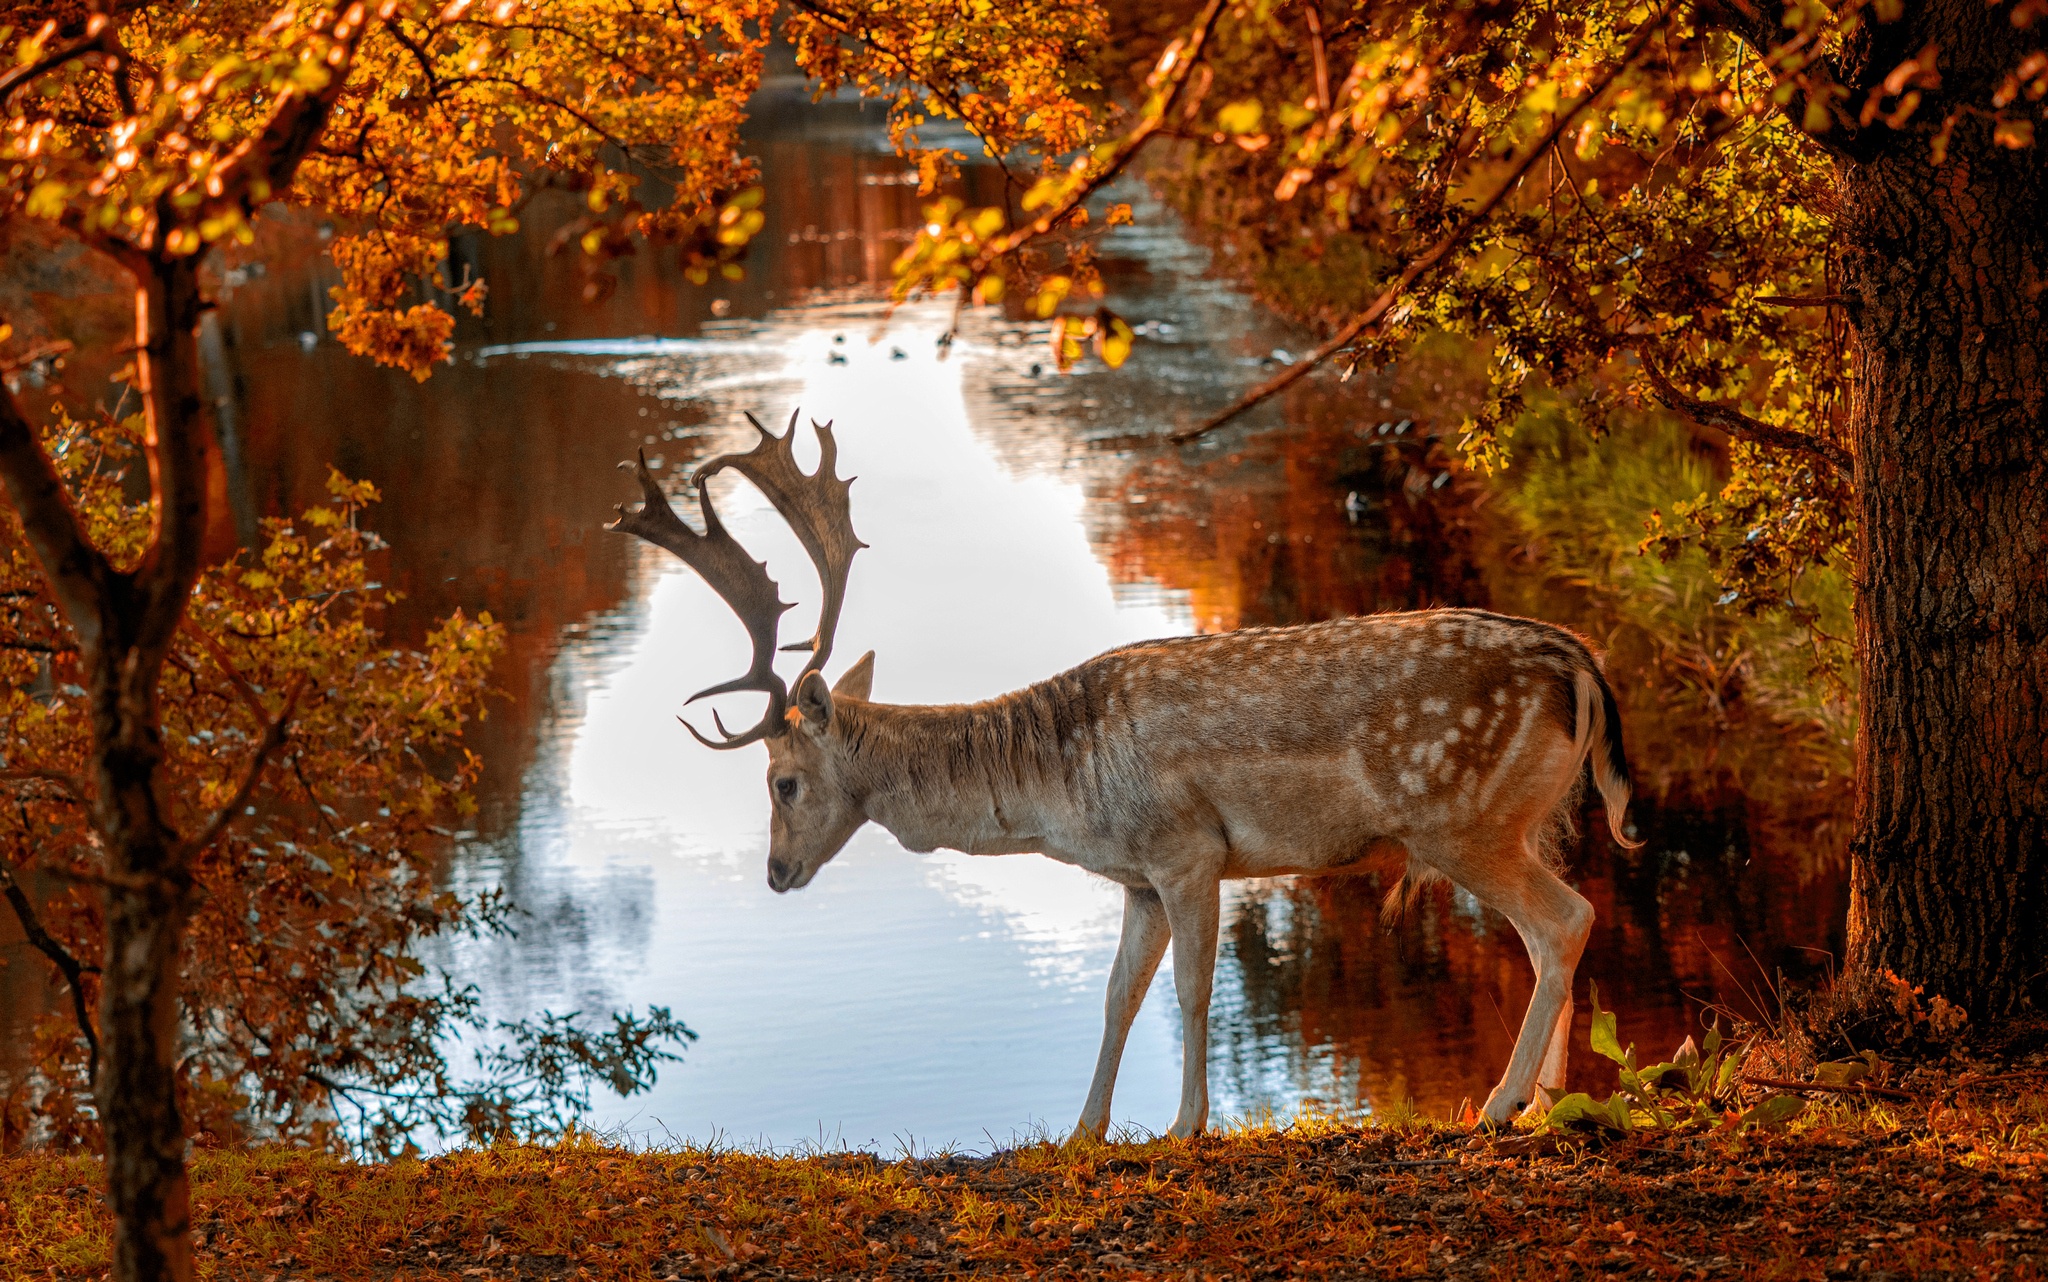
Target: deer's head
[[814, 808]]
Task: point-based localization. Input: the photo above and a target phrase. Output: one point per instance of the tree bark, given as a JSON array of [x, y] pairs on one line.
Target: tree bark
[[149, 878], [1945, 267]]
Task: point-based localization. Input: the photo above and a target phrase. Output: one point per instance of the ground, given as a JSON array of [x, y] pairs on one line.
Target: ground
[[1947, 1182]]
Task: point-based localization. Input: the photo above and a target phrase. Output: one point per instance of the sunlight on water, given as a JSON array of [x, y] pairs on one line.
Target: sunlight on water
[[901, 997]]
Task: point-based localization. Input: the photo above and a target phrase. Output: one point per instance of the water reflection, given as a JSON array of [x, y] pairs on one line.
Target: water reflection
[[936, 999]]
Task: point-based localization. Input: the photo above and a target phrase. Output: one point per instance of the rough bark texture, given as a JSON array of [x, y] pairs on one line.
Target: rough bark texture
[[1945, 267]]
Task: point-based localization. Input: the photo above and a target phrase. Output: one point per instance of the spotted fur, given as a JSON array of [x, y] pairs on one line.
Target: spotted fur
[[1169, 766]]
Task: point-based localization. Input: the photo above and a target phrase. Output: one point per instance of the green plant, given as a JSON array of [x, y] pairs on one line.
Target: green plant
[[1695, 1088]]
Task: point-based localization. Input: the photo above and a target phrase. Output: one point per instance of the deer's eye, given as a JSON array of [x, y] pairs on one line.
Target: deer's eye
[[786, 790]]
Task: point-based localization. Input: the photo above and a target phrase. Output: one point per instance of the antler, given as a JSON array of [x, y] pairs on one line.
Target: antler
[[818, 508], [734, 575]]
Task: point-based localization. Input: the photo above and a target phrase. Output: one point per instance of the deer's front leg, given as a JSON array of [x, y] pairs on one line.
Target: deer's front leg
[[1191, 913], [1138, 952]]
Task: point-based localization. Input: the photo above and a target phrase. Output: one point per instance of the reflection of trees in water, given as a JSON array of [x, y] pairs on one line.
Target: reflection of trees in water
[[1328, 518]]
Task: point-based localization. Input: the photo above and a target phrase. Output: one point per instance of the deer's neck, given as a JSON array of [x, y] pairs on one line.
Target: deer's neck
[[984, 778]]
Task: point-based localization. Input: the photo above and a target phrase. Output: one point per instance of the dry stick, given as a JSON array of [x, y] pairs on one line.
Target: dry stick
[[1431, 258], [1854, 1088]]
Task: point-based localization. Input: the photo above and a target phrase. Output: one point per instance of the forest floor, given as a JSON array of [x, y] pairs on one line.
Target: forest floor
[[1947, 1183]]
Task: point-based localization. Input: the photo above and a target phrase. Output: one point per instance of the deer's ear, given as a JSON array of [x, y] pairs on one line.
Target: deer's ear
[[858, 681], [814, 700]]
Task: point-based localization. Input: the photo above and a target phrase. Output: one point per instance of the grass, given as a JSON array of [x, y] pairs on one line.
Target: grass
[[1949, 1184]]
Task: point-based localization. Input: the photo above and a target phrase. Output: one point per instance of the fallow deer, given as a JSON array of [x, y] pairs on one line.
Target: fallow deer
[[1169, 766]]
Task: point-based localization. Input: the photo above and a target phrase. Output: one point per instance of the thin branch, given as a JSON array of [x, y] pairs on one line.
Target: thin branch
[[1435, 255], [1739, 426], [73, 970], [273, 738], [1803, 300]]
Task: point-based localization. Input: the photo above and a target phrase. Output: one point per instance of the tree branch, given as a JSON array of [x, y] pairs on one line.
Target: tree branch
[[219, 654], [90, 42], [1436, 254], [262, 167], [1759, 24], [272, 739], [1186, 56], [79, 574], [69, 783], [49, 946], [1736, 425]]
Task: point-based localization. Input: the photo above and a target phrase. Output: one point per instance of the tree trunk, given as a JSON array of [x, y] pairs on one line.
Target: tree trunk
[[149, 879], [1945, 267]]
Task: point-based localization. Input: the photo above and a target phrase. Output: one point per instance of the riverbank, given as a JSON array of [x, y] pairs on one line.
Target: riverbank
[[1949, 1183]]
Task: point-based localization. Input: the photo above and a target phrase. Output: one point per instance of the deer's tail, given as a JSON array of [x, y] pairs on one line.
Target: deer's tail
[[1597, 741]]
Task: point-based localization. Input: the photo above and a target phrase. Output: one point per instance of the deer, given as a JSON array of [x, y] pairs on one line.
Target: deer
[[1458, 737]]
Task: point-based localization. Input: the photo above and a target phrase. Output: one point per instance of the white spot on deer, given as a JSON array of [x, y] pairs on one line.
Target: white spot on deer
[[1401, 721], [1436, 754], [1500, 695], [1470, 716], [1451, 736], [1412, 783], [1415, 753], [1436, 705]]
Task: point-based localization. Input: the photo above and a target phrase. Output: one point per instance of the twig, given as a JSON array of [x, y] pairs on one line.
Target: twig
[[1994, 1079], [1431, 258], [1803, 300]]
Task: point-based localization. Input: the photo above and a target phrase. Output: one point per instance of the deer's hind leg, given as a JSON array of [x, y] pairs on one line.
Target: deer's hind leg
[[1505, 871]]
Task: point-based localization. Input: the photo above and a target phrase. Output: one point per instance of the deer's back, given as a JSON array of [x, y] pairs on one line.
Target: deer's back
[[1336, 734]]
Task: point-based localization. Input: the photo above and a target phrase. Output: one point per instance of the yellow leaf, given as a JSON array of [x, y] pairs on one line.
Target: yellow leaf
[[1241, 117], [1113, 342]]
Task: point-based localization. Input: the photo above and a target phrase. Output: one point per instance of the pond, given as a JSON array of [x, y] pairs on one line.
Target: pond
[[926, 1001]]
